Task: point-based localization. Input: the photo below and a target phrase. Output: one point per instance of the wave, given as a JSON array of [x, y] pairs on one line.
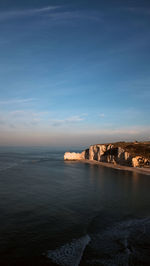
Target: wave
[[69, 254], [125, 243], [7, 166]]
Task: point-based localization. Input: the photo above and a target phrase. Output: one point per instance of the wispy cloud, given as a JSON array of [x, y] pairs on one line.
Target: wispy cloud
[[16, 101], [35, 127], [69, 120], [23, 119], [54, 13], [137, 10], [125, 131], [44, 9], [12, 14], [75, 15], [27, 119], [101, 115], [28, 112]]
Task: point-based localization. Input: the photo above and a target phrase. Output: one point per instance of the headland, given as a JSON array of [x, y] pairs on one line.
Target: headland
[[130, 156]]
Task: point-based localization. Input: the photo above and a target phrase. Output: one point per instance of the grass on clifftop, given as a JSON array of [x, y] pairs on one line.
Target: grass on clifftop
[[135, 148]]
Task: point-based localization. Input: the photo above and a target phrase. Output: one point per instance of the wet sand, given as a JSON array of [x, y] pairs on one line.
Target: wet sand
[[144, 171]]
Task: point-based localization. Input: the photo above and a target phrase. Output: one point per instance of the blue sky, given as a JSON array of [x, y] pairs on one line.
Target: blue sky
[[74, 73]]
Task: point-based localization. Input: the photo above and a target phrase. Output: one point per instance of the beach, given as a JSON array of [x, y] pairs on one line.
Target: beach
[[144, 171]]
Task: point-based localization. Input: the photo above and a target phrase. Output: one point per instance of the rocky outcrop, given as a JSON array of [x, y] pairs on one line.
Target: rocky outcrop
[[139, 161], [73, 156], [109, 153]]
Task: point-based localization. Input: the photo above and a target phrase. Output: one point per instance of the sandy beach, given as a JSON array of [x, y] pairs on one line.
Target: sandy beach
[[144, 171]]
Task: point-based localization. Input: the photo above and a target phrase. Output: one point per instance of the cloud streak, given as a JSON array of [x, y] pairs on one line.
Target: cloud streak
[[21, 119], [101, 115], [54, 13], [137, 10], [69, 120], [12, 14], [72, 15], [16, 101], [75, 138]]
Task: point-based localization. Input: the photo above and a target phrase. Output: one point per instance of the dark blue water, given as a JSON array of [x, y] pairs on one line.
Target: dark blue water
[[70, 213]]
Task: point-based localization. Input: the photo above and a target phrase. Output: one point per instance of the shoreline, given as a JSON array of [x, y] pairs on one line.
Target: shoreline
[[144, 171]]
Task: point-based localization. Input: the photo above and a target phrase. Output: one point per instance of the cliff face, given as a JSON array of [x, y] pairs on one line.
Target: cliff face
[[109, 153]]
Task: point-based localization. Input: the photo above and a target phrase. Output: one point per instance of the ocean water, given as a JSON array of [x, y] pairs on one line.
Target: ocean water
[[71, 213]]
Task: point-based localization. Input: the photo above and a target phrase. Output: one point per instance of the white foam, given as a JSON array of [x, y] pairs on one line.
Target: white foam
[[69, 254], [118, 243]]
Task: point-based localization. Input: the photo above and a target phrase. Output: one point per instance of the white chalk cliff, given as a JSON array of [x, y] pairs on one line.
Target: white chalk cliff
[[111, 154], [74, 156]]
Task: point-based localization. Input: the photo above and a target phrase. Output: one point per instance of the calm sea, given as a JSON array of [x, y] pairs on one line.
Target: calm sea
[[70, 213]]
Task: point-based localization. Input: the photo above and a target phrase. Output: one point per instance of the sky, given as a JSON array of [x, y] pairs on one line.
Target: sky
[[74, 73]]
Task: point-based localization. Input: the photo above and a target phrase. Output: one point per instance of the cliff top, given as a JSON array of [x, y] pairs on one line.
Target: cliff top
[[134, 148]]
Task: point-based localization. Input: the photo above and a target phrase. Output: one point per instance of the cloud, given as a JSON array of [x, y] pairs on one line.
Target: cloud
[[44, 9], [69, 120], [12, 14], [138, 130], [74, 119], [77, 138], [70, 15], [29, 113], [101, 115], [16, 101], [55, 13], [36, 127], [22, 119], [26, 118], [137, 10]]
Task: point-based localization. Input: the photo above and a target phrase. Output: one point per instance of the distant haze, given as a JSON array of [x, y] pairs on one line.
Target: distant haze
[[74, 73]]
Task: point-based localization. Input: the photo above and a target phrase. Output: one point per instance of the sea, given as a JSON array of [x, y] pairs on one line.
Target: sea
[[56, 212]]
